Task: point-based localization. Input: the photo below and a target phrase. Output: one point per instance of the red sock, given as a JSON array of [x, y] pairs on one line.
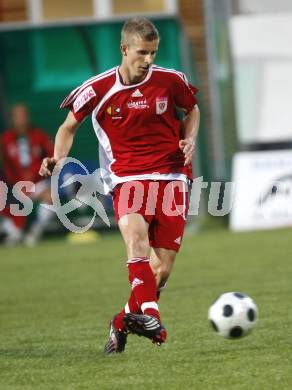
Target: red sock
[[143, 285], [131, 307]]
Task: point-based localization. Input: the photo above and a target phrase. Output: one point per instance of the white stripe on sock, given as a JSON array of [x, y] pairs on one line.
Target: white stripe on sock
[[127, 309], [137, 260], [149, 305]]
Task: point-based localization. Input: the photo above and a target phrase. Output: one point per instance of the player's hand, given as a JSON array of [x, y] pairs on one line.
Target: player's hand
[[187, 146], [47, 167]]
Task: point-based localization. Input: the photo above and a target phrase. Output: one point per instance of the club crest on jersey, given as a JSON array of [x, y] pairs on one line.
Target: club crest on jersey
[[161, 105], [83, 98]]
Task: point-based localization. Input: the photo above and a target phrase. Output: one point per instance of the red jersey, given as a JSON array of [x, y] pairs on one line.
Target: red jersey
[[22, 155], [137, 125]]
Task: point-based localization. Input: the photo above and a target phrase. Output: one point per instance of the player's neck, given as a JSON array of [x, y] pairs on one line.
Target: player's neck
[[21, 130], [127, 78]]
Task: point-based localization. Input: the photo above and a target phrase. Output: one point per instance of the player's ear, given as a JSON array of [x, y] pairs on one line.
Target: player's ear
[[123, 49]]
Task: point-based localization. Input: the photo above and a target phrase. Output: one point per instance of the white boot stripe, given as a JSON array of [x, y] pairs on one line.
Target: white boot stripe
[[151, 322]]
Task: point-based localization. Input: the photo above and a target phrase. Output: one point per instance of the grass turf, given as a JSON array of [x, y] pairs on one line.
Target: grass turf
[[56, 300]]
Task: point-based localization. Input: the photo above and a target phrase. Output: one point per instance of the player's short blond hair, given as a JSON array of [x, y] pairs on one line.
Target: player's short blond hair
[[140, 27]]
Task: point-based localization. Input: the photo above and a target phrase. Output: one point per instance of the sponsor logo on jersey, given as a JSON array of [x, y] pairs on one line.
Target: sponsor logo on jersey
[[83, 98], [137, 93], [138, 104], [161, 105], [114, 111]]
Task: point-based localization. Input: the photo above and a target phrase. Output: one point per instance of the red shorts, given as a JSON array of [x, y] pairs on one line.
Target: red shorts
[[163, 204]]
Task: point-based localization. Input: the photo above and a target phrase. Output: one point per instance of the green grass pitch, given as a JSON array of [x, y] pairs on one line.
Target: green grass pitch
[[56, 300]]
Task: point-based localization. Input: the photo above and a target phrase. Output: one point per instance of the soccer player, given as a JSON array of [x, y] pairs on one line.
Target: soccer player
[[146, 154], [22, 148]]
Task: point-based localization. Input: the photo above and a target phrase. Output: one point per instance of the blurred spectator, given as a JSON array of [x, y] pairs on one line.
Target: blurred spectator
[[22, 149]]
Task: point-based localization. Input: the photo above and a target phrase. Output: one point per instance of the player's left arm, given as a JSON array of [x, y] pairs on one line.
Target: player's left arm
[[191, 128]]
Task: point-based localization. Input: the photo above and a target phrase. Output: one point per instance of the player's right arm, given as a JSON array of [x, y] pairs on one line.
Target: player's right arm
[[63, 143]]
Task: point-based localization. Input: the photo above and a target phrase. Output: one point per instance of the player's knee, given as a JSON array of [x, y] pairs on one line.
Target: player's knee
[[137, 244]]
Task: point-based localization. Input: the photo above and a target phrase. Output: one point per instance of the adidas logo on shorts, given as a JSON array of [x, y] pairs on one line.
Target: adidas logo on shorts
[[178, 240]]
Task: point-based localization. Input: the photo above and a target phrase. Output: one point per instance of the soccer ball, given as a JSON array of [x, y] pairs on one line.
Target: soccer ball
[[233, 314]]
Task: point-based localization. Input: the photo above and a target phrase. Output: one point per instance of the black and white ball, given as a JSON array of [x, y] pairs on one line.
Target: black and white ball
[[233, 315]]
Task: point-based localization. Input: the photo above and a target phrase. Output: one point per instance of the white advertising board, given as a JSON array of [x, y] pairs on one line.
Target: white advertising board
[[262, 73], [263, 190]]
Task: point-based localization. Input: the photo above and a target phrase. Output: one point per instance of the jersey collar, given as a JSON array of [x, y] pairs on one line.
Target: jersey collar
[[124, 86]]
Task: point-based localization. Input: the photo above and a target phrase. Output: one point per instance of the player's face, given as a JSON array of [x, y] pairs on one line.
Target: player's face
[[138, 56], [20, 118]]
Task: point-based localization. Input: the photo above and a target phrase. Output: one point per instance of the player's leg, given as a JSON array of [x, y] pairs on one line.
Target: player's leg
[[134, 230], [118, 333], [43, 215], [135, 243]]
